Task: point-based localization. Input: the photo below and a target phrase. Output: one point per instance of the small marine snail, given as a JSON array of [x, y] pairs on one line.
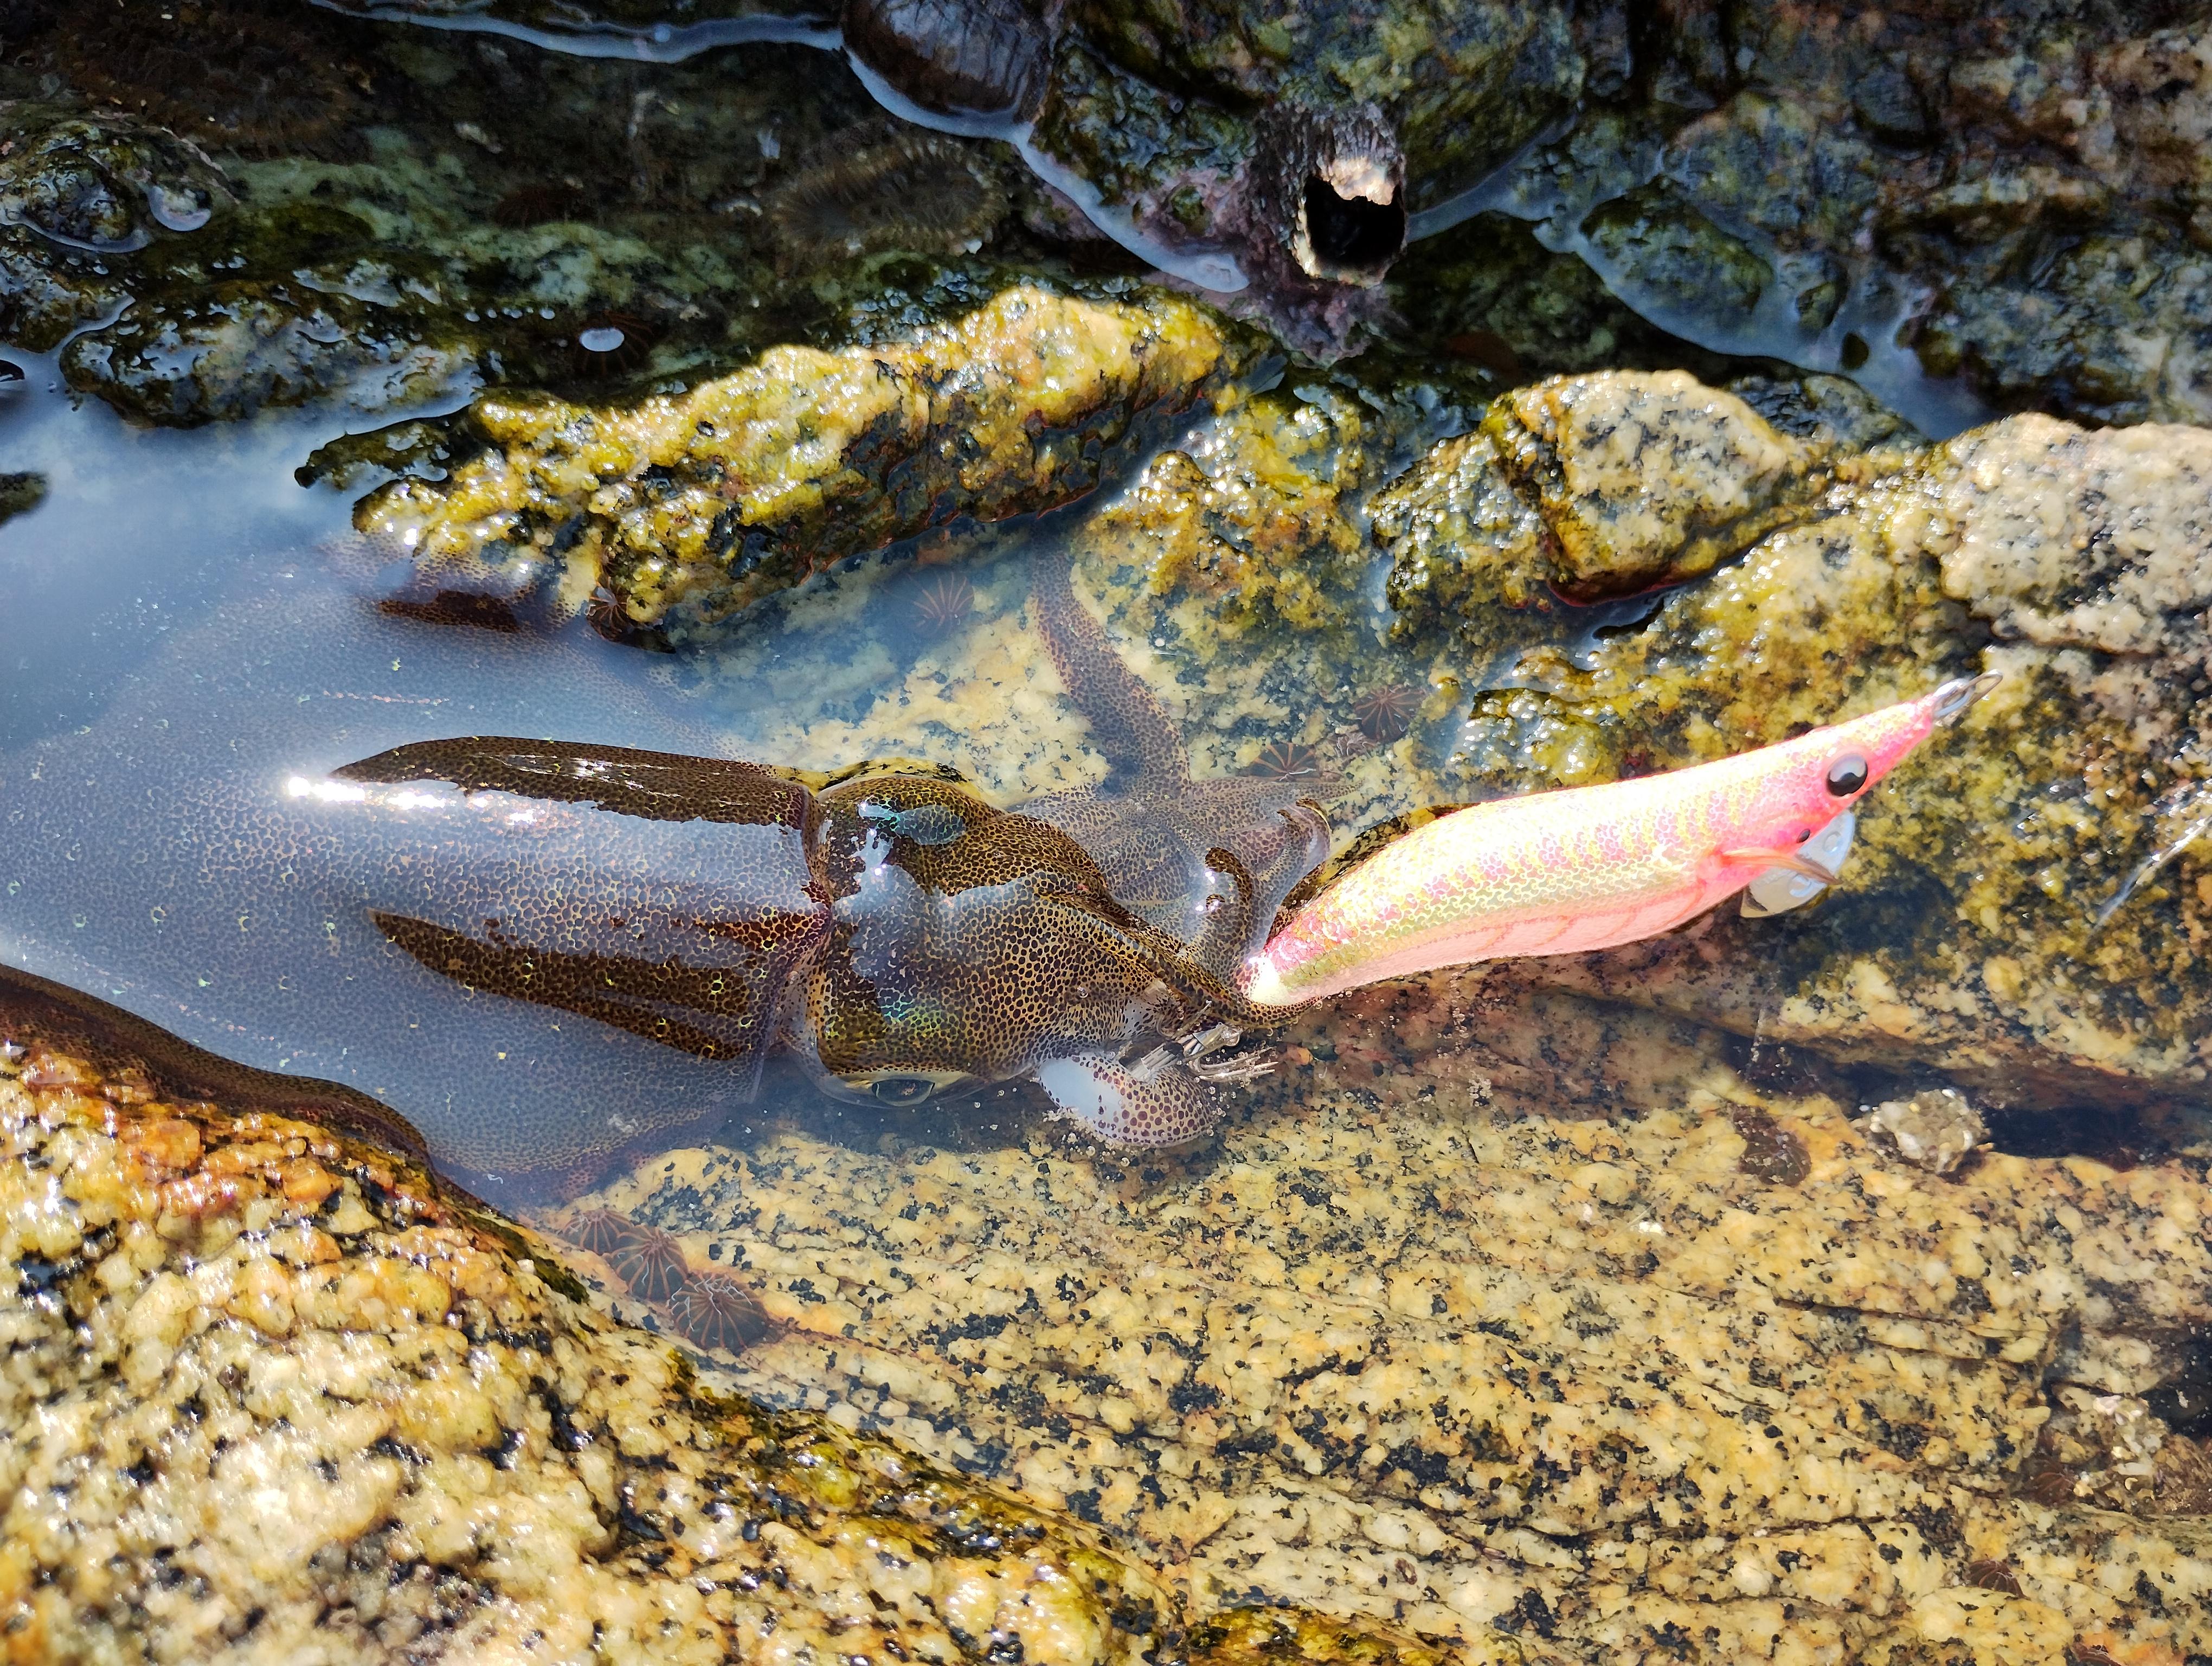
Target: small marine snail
[[985, 57]]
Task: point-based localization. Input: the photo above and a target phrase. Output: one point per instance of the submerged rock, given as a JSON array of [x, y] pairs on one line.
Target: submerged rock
[[273, 1390], [1493, 1331], [1494, 1320], [708, 502]]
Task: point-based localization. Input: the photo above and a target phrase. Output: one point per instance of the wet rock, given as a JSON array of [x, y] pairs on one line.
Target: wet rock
[[1784, 184], [236, 351], [1935, 1129], [2112, 1451], [277, 1388], [1464, 543], [1482, 1326], [1644, 479], [76, 193], [1465, 85], [1597, 486], [1487, 294], [100, 185], [708, 500], [1253, 516], [1679, 259], [521, 211], [2072, 562]]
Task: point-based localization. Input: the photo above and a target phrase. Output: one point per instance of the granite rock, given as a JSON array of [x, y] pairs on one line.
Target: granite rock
[[273, 1393], [1491, 1320]]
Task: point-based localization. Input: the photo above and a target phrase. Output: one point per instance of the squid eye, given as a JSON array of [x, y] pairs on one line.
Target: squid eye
[[1847, 775], [902, 1089]]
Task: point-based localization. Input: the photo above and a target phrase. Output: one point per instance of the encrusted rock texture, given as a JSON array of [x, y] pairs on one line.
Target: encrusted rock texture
[[749, 482], [270, 1395], [2026, 904], [1526, 1313], [301, 205]]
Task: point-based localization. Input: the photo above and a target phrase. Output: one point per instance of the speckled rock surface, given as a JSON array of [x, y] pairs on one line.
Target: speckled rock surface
[[1496, 1319], [267, 1397], [749, 482]]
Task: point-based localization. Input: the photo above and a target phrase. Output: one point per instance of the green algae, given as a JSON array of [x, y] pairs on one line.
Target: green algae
[[1468, 84], [1969, 933], [475, 223]]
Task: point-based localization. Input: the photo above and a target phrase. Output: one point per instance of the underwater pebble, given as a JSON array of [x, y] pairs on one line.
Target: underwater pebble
[[1932, 1130]]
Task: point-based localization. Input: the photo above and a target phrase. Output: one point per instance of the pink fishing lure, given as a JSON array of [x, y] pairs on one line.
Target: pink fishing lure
[[1590, 867]]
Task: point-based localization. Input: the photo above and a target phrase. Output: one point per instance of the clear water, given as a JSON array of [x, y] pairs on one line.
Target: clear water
[[1473, 1178]]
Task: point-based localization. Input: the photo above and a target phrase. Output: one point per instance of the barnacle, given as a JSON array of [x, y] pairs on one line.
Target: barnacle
[[1384, 714], [602, 1232], [888, 187], [944, 603], [612, 344], [713, 1311], [650, 1262], [1286, 760], [1331, 186]]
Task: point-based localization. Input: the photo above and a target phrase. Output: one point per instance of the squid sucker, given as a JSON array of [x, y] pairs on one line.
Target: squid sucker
[[1588, 867]]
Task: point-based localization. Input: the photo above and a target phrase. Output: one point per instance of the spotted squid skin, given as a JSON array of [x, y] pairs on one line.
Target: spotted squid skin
[[1582, 868]]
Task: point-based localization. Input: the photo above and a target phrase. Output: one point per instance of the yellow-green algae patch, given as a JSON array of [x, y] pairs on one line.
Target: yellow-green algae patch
[[744, 485], [1253, 512], [1493, 1321], [271, 1395], [1239, 576]]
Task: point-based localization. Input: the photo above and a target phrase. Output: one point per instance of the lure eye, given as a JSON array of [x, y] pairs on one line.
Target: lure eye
[[1847, 775]]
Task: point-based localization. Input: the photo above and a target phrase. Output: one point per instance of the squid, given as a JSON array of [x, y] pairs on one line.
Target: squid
[[543, 956]]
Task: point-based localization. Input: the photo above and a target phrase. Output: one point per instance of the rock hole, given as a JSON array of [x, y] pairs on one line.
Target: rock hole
[[1351, 233]]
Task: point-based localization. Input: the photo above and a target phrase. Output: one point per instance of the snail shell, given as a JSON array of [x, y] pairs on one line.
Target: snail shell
[[977, 57]]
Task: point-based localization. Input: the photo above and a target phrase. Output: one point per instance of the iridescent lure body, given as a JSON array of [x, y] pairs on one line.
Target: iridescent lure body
[[1588, 867]]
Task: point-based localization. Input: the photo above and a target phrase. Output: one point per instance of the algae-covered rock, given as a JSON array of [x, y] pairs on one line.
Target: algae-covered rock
[[273, 1392], [78, 193], [1253, 512], [238, 350], [393, 216], [1595, 486], [710, 500], [1463, 543], [1989, 921], [1487, 294], [1641, 479], [1466, 84]]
